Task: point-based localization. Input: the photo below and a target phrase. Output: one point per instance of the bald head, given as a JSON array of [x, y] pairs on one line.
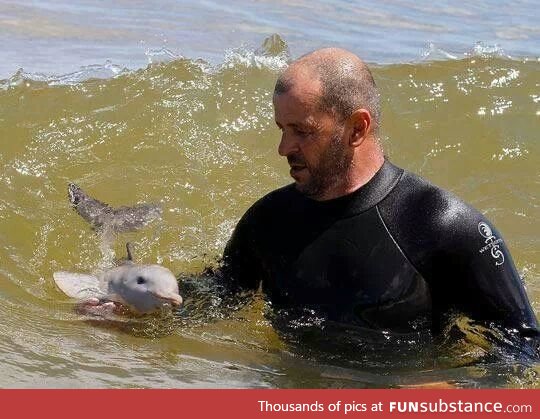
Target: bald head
[[341, 80]]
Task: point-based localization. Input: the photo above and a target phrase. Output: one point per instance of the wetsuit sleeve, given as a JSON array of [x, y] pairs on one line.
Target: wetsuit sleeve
[[480, 276], [463, 258], [469, 268], [241, 263]]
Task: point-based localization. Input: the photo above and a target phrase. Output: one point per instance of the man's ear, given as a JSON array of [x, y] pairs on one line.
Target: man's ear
[[360, 124]]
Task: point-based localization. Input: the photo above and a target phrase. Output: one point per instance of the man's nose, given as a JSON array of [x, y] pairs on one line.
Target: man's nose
[[287, 145]]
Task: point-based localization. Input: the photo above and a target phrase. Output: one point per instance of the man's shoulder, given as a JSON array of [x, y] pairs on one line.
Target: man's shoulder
[[438, 231], [419, 208]]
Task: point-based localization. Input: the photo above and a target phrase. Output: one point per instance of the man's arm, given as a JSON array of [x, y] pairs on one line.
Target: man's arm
[[461, 255], [473, 273], [480, 278]]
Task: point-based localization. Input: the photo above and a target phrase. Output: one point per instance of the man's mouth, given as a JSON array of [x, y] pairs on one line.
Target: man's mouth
[[296, 169]]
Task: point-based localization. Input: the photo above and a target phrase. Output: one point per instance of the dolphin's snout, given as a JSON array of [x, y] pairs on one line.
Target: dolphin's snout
[[174, 299]]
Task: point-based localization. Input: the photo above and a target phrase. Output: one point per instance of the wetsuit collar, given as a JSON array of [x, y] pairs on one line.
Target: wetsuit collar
[[367, 196]]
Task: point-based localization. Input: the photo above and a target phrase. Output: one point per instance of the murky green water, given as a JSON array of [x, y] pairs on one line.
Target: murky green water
[[200, 140]]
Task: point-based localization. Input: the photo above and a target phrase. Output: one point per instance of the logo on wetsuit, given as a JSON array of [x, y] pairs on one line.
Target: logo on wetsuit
[[492, 243]]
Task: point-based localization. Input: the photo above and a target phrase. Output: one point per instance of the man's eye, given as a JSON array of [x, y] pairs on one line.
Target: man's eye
[[301, 133]]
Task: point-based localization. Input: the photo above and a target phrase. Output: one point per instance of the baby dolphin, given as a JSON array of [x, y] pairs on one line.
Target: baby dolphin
[[105, 217], [141, 288]]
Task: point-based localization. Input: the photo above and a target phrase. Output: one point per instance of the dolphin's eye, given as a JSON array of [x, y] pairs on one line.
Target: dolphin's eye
[[141, 280]]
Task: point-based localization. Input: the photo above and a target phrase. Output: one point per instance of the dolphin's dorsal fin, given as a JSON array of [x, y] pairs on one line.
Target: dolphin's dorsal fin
[[80, 286], [129, 249], [128, 260]]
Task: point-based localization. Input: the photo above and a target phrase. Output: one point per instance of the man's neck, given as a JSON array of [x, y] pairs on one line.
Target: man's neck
[[364, 166]]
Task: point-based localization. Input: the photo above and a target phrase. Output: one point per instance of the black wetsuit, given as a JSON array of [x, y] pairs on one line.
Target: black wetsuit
[[395, 251]]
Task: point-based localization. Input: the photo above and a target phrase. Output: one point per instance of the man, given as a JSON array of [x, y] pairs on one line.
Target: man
[[357, 238]]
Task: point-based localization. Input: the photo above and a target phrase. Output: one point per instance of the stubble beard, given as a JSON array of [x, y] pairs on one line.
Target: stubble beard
[[331, 172]]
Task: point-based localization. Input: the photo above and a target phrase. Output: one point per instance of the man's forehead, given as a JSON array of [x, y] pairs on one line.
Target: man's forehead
[[302, 84], [296, 98], [291, 109], [295, 104]]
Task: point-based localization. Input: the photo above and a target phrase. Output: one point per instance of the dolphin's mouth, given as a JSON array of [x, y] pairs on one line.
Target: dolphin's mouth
[[174, 300]]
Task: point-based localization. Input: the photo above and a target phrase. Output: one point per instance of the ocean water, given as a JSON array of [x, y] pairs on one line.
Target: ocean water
[[170, 102], [60, 36]]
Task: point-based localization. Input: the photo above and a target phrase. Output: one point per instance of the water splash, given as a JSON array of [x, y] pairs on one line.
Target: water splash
[[434, 53], [481, 49], [161, 55], [484, 50], [108, 70]]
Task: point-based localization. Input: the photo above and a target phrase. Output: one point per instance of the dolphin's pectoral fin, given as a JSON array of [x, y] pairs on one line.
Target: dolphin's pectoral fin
[[80, 286]]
